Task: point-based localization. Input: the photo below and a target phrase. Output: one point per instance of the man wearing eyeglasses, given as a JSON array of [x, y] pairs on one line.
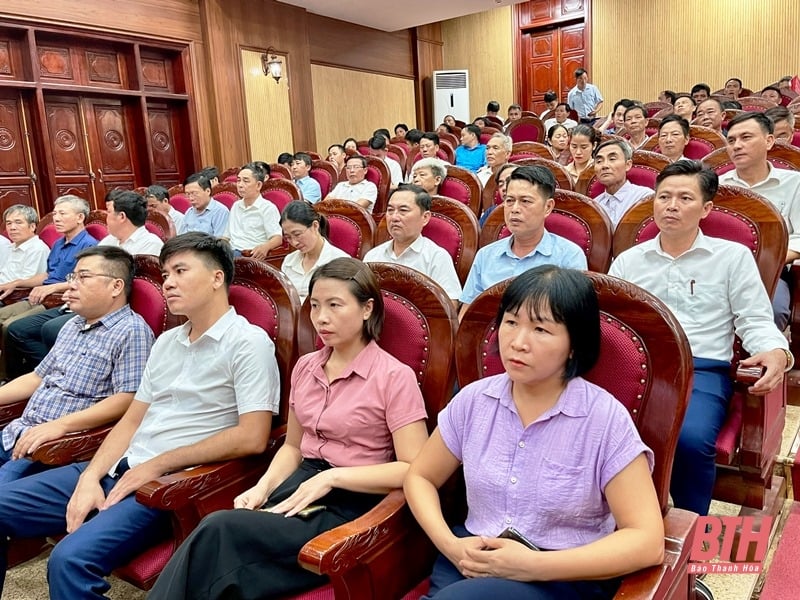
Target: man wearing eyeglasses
[[95, 367], [356, 189]]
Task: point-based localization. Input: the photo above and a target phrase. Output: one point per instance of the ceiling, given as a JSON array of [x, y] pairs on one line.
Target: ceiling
[[402, 14]]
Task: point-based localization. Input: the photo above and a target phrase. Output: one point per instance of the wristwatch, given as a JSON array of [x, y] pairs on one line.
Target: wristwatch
[[789, 359]]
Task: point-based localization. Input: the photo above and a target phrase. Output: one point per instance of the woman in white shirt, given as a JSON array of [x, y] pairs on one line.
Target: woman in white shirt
[[306, 231]]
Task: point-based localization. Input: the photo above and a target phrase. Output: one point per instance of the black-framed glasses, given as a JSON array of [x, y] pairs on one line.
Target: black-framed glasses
[[82, 276]]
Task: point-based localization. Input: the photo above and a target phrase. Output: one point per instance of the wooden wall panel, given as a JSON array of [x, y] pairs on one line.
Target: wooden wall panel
[[354, 104], [640, 48], [340, 44], [428, 59], [482, 43], [268, 111]]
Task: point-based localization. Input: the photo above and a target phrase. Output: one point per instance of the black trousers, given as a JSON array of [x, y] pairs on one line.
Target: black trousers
[[251, 555]]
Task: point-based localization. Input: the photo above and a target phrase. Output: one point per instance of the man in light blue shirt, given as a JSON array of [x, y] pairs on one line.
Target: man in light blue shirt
[[528, 201], [301, 167], [471, 154], [585, 98], [206, 214]]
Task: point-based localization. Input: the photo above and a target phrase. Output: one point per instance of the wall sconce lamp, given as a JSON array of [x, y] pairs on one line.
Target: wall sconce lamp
[[271, 64]]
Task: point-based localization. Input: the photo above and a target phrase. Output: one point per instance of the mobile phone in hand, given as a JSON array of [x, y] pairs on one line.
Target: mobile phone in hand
[[511, 533]]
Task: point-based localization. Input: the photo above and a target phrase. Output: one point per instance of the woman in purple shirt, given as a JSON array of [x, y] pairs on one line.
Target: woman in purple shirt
[[356, 420], [544, 452]]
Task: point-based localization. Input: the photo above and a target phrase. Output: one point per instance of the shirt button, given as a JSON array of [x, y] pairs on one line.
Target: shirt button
[[522, 444], [508, 520], [513, 480]]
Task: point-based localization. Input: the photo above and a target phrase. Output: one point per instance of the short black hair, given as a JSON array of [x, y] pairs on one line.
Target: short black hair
[[570, 298], [731, 105], [402, 126], [119, 263], [689, 96], [636, 106], [199, 179], [131, 204], [579, 73], [362, 159], [421, 197], [215, 252], [700, 87], [339, 146], [414, 135], [670, 95], [305, 157], [210, 172], [627, 103], [587, 131], [550, 95], [256, 170], [159, 192], [764, 122], [430, 135], [493, 106], [736, 79], [539, 176], [285, 158], [707, 178], [673, 118], [474, 130], [384, 132], [377, 142], [773, 88]]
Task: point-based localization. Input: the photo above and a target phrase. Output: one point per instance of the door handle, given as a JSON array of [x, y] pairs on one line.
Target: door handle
[[100, 173]]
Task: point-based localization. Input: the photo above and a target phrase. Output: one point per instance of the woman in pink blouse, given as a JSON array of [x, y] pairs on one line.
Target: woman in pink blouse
[[356, 420], [544, 452]]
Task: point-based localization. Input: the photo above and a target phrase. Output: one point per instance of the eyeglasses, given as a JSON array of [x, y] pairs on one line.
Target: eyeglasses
[[81, 277]]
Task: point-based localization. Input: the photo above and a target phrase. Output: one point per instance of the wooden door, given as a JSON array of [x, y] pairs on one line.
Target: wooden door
[[572, 55], [111, 145], [18, 167], [168, 145], [69, 148]]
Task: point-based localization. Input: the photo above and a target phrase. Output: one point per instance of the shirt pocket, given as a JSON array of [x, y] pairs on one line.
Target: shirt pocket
[[561, 491], [704, 300]]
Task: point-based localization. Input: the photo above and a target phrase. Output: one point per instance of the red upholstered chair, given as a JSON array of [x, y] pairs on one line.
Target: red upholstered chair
[[526, 129], [653, 108], [377, 173], [96, 224], [574, 217], [495, 122], [180, 202], [225, 193], [646, 167], [265, 296], [399, 152], [325, 174], [402, 141], [751, 436], [444, 153], [280, 192], [521, 150], [159, 224], [451, 139], [279, 171], [351, 228], [452, 226], [47, 231], [487, 133], [563, 180], [175, 189], [796, 139], [229, 175], [462, 185], [781, 155], [645, 361], [355, 556], [314, 155], [755, 103]]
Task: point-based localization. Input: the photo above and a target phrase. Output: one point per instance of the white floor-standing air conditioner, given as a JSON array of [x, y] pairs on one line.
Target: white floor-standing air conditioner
[[451, 95]]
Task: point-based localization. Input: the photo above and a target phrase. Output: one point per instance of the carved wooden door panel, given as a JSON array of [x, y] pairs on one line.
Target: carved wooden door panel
[[572, 45], [111, 145], [18, 173], [168, 157], [543, 74], [68, 144]]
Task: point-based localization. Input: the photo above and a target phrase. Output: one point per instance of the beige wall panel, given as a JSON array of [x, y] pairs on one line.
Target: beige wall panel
[[640, 48], [269, 118], [354, 104], [482, 43]]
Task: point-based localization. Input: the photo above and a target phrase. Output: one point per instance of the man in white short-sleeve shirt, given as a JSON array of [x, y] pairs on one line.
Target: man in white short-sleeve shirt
[[208, 394], [27, 254], [357, 188], [126, 214], [254, 223]]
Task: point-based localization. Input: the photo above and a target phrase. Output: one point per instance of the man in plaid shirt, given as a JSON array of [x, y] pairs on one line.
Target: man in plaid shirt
[[90, 376]]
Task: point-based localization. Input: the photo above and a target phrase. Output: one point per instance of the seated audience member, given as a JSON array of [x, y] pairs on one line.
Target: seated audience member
[[558, 144], [673, 135], [713, 288], [582, 143], [89, 377], [582, 455], [783, 123], [684, 106], [750, 136], [429, 146], [700, 92], [69, 215], [212, 174], [498, 149], [350, 145], [550, 102], [307, 232], [479, 122], [667, 96], [528, 200], [384, 132], [500, 180], [493, 109], [205, 214], [126, 213], [157, 197], [444, 128], [329, 458], [429, 173], [301, 167], [561, 118], [413, 138], [337, 155], [733, 88], [514, 112], [5, 248], [731, 105], [407, 213], [264, 167], [377, 147], [710, 113], [357, 188], [286, 159], [636, 125], [27, 254], [772, 94], [400, 130], [615, 121], [254, 223], [612, 161], [585, 98], [471, 154], [450, 121], [206, 395]]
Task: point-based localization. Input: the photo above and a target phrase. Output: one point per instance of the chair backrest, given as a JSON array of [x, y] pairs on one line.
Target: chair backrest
[[526, 129], [452, 226], [563, 180], [350, 227], [495, 122], [419, 330], [377, 173], [229, 175], [574, 217], [279, 171], [398, 152], [645, 361], [487, 133], [96, 224], [46, 230], [266, 298], [280, 192], [225, 193], [738, 215], [147, 298], [796, 139], [444, 153], [755, 103], [520, 150], [159, 224], [175, 189], [449, 138], [781, 155], [653, 108], [141, 190], [180, 202], [645, 169], [325, 174], [462, 185]]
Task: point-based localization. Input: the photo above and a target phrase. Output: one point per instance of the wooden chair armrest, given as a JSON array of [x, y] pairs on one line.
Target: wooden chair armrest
[[11, 411], [73, 447]]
